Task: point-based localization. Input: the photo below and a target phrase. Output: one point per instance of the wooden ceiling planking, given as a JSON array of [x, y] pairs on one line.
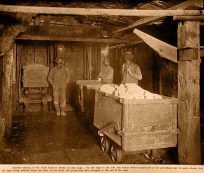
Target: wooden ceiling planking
[[183, 5]]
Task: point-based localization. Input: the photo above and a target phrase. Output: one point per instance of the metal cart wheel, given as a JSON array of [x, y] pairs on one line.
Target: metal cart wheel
[[116, 154], [104, 144]]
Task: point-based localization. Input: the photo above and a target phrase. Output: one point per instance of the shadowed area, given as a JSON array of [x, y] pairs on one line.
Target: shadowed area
[[44, 138]]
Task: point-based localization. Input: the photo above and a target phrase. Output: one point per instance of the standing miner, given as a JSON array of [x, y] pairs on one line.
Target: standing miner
[[107, 72], [131, 72], [59, 78]]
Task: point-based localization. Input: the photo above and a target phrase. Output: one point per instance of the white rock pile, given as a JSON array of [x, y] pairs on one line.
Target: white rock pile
[[129, 91]]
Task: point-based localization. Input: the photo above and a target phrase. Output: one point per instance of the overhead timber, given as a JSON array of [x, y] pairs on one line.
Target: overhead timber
[[188, 18], [97, 12], [72, 39], [129, 44]]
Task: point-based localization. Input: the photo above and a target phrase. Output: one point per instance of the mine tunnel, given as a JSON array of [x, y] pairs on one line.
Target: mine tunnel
[[156, 120]]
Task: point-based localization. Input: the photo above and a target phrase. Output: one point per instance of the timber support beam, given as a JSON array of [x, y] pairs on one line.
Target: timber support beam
[[97, 12], [189, 151]]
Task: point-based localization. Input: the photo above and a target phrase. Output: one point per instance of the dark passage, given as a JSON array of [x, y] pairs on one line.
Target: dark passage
[[44, 138]]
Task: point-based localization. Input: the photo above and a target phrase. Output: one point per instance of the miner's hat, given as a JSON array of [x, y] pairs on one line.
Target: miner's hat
[[128, 55]]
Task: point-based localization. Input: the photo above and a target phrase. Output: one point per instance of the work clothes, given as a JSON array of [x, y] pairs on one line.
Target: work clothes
[[58, 78], [131, 73], [106, 74]]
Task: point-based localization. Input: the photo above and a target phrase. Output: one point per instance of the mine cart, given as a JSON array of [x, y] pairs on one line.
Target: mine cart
[[34, 93], [128, 125], [86, 97]]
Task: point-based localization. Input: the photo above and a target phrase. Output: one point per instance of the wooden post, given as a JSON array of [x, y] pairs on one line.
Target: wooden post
[[89, 61], [14, 79], [7, 88], [189, 151]]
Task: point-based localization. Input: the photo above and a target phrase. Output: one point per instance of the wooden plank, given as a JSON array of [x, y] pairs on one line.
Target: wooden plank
[[14, 81], [202, 53], [65, 31], [89, 61], [18, 73], [201, 23], [51, 54], [95, 11], [198, 3], [165, 50], [189, 53], [188, 18], [122, 45], [74, 39], [143, 21], [189, 97]]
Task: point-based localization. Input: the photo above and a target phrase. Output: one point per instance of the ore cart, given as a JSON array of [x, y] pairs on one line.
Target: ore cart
[[86, 99], [128, 125]]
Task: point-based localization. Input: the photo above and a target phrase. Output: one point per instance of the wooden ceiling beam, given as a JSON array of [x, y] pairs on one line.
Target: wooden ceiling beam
[[64, 31], [200, 18], [202, 53], [72, 39], [127, 44], [95, 11], [143, 21]]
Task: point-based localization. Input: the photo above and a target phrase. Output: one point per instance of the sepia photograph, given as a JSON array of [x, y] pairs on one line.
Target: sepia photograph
[[104, 85]]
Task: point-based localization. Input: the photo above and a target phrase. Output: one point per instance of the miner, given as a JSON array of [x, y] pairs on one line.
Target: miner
[[59, 78], [131, 72], [107, 72]]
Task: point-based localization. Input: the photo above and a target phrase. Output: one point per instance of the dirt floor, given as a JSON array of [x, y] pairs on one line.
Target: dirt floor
[[44, 138]]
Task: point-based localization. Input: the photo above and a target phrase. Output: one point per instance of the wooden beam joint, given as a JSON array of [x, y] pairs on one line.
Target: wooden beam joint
[[188, 53], [189, 18]]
